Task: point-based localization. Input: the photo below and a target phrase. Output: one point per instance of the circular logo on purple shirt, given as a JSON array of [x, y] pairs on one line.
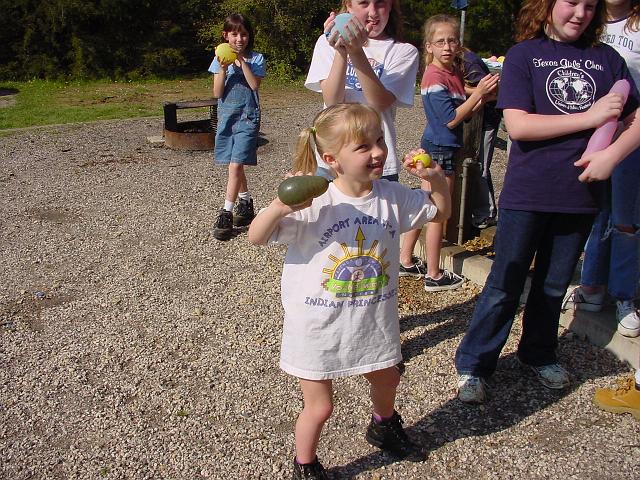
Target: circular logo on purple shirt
[[571, 90]]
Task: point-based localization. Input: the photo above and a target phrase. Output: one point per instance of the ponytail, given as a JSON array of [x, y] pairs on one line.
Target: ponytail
[[305, 157]]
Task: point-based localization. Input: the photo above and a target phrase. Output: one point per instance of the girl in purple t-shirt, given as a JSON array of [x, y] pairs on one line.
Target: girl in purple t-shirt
[[554, 93]]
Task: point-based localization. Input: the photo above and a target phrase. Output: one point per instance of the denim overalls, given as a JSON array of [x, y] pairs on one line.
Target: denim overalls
[[238, 121]]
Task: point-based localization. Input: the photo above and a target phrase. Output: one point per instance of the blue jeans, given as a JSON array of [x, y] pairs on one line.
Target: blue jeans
[[556, 240], [611, 256], [441, 154]]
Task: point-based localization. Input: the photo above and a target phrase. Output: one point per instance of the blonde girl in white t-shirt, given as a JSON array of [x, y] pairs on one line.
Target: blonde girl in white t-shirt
[[371, 66], [340, 278]]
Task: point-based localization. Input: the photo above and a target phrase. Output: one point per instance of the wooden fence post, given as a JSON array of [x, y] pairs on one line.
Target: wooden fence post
[[460, 228]]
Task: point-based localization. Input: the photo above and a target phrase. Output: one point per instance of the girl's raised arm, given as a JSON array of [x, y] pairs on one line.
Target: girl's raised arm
[[352, 46], [252, 79], [485, 87]]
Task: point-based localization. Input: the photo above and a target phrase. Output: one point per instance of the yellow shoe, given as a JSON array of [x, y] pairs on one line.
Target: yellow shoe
[[624, 399]]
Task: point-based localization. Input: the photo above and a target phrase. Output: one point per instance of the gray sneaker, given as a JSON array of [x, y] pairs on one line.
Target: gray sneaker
[[471, 389], [578, 299], [551, 376]]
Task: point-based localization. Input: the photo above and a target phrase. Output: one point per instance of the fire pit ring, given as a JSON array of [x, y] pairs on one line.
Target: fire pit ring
[[193, 134]]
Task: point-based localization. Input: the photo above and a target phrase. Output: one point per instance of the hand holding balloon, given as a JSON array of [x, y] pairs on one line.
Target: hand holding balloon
[[600, 167], [301, 188], [603, 135], [226, 55]]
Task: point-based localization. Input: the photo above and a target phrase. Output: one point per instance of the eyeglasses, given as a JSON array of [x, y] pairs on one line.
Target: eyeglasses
[[449, 41]]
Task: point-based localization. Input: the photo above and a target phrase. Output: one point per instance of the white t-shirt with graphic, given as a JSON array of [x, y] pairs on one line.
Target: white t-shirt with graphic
[[627, 44], [395, 64], [340, 280]]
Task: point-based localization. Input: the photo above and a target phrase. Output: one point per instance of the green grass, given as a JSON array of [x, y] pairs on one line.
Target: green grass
[[42, 102]]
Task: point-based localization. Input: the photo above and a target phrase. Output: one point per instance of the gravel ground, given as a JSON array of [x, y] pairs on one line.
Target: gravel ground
[[135, 346]]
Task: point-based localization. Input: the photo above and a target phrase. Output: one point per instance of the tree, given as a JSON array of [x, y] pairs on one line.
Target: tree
[[125, 38], [286, 30]]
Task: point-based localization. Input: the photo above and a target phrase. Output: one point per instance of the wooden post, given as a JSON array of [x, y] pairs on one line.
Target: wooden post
[[472, 137]]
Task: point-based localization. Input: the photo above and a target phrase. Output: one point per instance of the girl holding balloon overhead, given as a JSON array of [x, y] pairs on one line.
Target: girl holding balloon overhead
[[364, 60], [554, 93]]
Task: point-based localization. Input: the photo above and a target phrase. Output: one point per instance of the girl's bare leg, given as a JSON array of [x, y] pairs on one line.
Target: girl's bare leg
[[237, 181], [433, 239], [384, 384], [318, 406]]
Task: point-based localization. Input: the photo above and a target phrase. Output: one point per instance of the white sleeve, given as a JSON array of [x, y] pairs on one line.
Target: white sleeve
[[287, 230], [399, 76], [416, 207], [321, 62]]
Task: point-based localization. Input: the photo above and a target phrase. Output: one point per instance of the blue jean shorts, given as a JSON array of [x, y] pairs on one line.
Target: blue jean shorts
[[237, 136], [442, 155]]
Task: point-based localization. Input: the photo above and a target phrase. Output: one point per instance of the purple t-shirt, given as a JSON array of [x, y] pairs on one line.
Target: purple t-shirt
[[547, 77]]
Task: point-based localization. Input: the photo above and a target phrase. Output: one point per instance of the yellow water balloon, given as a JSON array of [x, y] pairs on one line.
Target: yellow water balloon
[[225, 53]]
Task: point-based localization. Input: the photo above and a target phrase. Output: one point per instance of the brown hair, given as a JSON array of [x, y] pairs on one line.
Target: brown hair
[[332, 128], [394, 26], [633, 20], [535, 15], [429, 29], [236, 21]]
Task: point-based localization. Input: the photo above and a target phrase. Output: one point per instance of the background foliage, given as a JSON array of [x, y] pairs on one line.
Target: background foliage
[[129, 39]]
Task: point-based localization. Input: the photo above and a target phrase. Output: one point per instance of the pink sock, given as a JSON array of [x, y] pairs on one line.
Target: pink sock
[[380, 418]]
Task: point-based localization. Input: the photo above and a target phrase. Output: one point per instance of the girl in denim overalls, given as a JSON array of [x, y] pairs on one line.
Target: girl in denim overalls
[[235, 85]]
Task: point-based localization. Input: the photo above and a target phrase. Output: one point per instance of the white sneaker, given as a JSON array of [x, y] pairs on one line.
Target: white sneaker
[[583, 301], [471, 389], [551, 376], [628, 320]]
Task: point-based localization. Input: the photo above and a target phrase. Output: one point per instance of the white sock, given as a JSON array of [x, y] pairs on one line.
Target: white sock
[[228, 205], [245, 195]]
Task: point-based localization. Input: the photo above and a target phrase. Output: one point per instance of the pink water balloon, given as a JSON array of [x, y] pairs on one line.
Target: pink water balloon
[[601, 138]]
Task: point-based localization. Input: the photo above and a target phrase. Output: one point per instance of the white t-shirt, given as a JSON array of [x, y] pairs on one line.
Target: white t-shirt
[[395, 64], [340, 280], [627, 44]]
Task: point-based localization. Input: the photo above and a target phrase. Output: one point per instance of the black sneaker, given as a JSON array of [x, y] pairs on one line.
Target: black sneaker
[[223, 227], [391, 437], [415, 270], [309, 470], [243, 213], [484, 223], [448, 281]]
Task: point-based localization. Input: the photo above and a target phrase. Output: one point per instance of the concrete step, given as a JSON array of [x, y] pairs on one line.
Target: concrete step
[[598, 328]]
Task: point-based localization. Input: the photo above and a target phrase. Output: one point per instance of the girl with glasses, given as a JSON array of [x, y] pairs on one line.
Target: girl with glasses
[[445, 106]]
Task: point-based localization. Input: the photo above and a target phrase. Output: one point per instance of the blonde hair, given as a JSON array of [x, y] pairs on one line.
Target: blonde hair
[[332, 128], [429, 30]]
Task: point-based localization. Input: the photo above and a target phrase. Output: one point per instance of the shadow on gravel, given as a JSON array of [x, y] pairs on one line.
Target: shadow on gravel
[[451, 322], [515, 395]]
